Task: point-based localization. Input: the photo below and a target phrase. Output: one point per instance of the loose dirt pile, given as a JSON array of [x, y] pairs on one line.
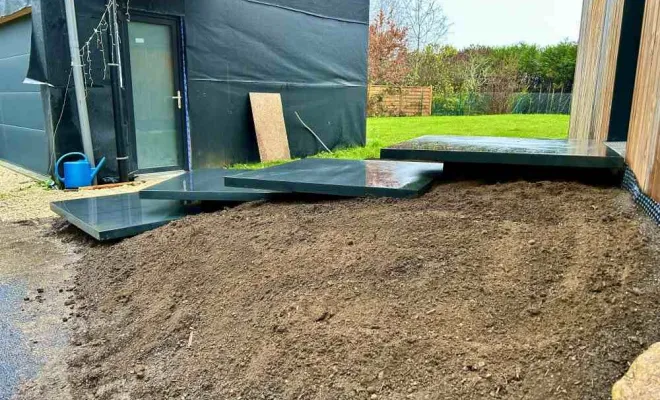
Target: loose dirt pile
[[511, 291]]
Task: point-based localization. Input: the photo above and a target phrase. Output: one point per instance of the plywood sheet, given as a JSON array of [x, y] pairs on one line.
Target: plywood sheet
[[269, 125]]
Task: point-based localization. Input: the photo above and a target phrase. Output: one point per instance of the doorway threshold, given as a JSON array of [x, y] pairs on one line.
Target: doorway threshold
[[159, 176]]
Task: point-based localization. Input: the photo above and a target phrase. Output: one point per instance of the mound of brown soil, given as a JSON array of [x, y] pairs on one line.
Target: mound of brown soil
[[518, 290]]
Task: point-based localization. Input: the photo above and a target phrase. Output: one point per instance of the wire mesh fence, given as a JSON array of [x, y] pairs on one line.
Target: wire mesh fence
[[503, 103], [542, 103]]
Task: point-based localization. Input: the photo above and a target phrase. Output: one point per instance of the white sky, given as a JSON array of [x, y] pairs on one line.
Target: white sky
[[502, 22]]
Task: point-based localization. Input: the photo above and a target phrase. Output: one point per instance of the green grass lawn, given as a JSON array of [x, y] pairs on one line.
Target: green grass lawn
[[383, 132]]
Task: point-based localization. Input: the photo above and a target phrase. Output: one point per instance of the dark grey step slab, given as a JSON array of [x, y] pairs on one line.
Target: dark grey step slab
[[204, 185], [120, 216], [511, 151], [348, 178]]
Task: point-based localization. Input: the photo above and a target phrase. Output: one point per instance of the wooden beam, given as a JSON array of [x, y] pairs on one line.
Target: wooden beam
[[643, 150], [16, 15], [598, 52]]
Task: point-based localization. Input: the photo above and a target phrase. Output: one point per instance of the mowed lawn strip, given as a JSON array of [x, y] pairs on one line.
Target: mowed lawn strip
[[386, 131]]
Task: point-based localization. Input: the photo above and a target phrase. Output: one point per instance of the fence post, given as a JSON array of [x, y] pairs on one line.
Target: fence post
[[552, 99], [421, 104], [430, 101]]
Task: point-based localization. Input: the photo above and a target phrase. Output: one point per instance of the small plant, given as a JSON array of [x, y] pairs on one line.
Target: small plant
[[48, 184]]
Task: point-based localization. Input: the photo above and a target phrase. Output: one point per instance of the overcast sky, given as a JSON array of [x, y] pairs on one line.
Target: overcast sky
[[501, 22]]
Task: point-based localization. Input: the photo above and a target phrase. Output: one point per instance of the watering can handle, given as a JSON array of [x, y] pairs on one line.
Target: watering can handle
[[57, 164]]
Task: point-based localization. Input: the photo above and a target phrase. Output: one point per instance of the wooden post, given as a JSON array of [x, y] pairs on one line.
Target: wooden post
[[643, 150]]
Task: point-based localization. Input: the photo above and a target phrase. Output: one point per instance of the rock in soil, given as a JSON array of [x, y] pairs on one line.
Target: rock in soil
[[509, 320], [642, 381]]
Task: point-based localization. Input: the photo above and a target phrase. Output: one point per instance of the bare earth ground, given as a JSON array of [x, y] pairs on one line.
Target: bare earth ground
[[511, 291], [35, 289]]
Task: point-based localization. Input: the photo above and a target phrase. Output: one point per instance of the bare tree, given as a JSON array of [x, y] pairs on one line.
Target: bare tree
[[389, 7], [425, 20]]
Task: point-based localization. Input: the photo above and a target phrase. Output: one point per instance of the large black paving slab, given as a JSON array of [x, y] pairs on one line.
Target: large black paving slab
[[350, 178], [119, 216], [204, 185], [512, 151]]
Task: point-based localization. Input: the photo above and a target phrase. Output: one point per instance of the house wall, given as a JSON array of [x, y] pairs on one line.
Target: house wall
[[53, 66], [618, 81], [596, 65], [23, 138], [605, 70], [313, 53], [643, 151], [598, 53], [233, 47]]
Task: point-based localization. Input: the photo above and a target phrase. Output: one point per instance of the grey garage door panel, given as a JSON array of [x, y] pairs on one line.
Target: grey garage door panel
[[15, 38], [23, 140], [27, 148], [22, 109], [13, 72]]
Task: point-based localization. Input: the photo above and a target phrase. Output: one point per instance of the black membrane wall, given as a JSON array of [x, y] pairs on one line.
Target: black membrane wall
[[313, 53]]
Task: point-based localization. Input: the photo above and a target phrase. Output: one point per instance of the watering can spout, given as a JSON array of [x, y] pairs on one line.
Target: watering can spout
[[96, 170]]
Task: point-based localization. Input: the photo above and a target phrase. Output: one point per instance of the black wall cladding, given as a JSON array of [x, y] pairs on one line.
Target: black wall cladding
[[313, 52], [317, 63]]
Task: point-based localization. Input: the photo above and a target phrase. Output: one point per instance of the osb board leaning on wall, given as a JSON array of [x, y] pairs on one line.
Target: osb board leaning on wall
[[269, 125], [400, 101], [596, 68], [643, 151]]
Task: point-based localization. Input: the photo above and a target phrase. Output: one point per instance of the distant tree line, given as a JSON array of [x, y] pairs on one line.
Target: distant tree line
[[475, 80]]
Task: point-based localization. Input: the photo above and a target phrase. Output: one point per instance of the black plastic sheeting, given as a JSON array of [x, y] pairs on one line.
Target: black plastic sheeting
[[355, 11], [312, 52], [93, 8], [318, 64]]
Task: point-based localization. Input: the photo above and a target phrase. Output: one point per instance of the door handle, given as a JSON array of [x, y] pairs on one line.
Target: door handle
[[178, 99]]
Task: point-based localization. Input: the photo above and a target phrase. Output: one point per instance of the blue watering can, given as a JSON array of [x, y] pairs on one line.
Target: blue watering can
[[77, 173]]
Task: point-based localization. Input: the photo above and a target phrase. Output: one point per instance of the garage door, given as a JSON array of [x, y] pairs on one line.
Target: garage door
[[23, 139]]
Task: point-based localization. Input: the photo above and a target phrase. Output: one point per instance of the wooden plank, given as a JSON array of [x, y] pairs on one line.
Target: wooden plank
[[598, 51], [269, 125], [106, 186], [654, 182], [16, 15], [643, 150]]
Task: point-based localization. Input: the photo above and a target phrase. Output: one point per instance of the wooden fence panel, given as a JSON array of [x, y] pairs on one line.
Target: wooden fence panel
[[643, 151], [400, 101], [596, 68]]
